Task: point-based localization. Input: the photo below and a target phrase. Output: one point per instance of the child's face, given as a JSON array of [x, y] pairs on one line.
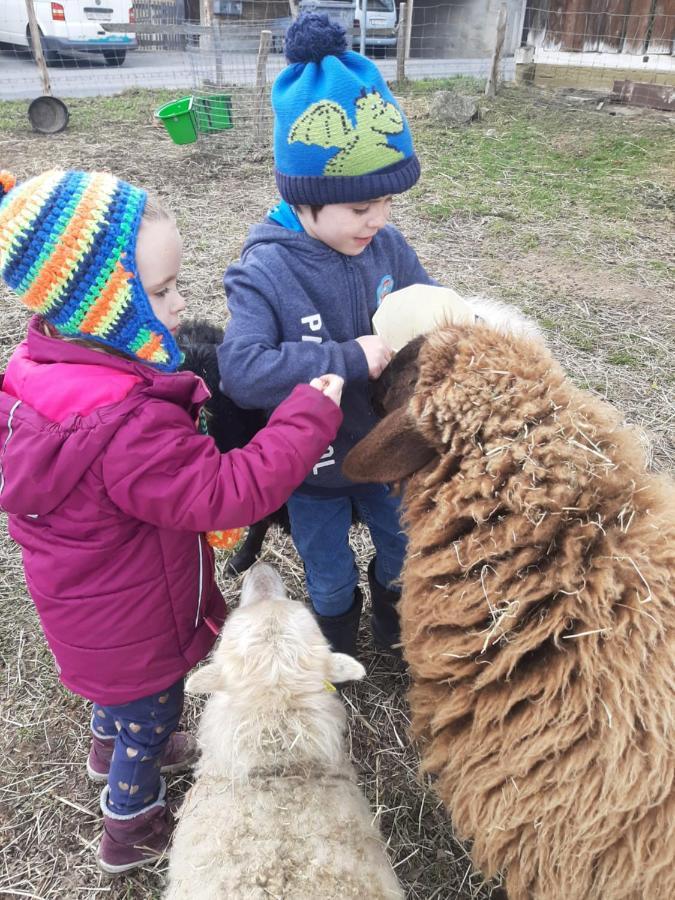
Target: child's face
[[347, 227], [159, 251]]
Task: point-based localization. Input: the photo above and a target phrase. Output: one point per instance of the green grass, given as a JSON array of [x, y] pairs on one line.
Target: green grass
[[86, 114], [582, 340], [623, 358], [540, 176], [464, 83], [535, 181], [541, 167]]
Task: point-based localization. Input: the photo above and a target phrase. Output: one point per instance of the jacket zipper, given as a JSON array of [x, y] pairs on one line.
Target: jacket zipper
[[10, 433], [353, 297], [201, 579]]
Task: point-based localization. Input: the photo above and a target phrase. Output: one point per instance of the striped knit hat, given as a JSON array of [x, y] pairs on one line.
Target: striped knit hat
[[68, 250]]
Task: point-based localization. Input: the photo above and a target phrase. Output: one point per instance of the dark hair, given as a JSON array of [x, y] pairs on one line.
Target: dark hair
[[315, 209]]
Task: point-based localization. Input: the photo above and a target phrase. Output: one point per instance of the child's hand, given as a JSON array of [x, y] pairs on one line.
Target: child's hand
[[330, 385], [378, 353]]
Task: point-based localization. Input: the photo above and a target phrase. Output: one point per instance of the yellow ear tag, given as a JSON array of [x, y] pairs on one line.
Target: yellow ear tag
[[327, 686]]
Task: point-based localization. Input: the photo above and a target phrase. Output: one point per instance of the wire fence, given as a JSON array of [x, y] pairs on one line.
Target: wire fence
[[225, 54], [623, 47]]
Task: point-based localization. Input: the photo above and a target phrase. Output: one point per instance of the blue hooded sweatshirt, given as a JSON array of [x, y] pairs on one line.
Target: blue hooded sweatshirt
[[296, 308]]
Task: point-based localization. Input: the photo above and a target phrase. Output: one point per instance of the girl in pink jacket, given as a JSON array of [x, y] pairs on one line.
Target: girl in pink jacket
[[110, 487]]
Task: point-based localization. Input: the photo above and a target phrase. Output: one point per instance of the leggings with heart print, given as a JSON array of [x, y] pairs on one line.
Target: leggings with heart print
[[141, 730]]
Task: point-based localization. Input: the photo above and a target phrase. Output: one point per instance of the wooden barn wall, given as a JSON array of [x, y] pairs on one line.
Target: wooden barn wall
[[662, 38], [605, 26]]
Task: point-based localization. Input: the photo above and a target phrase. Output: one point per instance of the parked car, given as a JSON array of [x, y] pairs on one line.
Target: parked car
[[70, 25], [381, 24], [381, 16]]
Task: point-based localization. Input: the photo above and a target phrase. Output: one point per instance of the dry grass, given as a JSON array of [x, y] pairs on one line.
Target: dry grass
[[596, 274]]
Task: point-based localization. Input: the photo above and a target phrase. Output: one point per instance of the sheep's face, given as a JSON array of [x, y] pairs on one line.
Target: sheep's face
[[459, 388], [271, 648]]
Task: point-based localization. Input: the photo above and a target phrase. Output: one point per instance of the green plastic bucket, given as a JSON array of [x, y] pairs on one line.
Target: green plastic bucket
[[179, 119], [214, 113]]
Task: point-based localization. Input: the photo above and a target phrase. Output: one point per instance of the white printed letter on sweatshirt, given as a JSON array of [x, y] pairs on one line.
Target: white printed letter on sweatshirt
[[314, 323], [326, 460]]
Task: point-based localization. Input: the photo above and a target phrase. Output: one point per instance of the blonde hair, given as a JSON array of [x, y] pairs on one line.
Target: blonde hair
[[154, 211]]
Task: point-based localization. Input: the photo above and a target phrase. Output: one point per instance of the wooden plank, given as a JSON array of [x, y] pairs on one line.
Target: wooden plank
[[595, 24], [663, 28], [552, 27], [537, 22], [654, 96], [637, 26], [575, 24], [140, 28], [610, 26]]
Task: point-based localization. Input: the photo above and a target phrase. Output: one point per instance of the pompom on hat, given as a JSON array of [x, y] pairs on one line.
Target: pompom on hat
[[68, 250], [339, 134]]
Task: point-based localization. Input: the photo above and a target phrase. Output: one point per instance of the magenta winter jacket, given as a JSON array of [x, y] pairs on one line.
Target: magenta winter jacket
[[109, 489]]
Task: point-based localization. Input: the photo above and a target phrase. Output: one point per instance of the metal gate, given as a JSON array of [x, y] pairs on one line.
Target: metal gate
[[160, 12]]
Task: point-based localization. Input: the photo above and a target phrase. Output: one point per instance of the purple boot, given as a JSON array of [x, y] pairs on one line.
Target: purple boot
[[136, 840], [180, 754]]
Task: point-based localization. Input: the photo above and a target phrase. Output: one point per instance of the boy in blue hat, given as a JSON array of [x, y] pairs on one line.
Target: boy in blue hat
[[302, 297]]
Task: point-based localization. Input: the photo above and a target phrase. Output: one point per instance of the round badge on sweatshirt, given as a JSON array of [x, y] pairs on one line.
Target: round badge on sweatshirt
[[386, 286]]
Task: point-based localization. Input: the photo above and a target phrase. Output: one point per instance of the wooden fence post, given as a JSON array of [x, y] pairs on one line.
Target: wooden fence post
[[217, 52], [260, 85], [401, 41], [493, 77], [206, 19], [37, 47], [408, 25], [205, 12]]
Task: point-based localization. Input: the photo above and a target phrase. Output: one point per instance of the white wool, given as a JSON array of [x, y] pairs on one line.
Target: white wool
[[275, 810], [504, 318]]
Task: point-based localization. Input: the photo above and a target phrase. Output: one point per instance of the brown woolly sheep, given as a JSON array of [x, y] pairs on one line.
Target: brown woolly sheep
[[537, 615]]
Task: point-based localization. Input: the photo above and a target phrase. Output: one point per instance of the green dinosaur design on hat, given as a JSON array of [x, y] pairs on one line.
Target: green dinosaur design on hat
[[363, 147]]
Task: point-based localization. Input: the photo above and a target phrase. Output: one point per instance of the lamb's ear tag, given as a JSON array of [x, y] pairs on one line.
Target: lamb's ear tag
[[329, 686]]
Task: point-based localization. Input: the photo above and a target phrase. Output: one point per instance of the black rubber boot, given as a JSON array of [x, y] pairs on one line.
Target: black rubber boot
[[384, 621], [341, 631]]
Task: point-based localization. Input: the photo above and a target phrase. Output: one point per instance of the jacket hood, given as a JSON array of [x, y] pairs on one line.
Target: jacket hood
[[300, 242], [42, 460]]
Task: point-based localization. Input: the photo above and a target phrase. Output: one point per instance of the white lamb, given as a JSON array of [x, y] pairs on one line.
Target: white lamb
[[275, 811]]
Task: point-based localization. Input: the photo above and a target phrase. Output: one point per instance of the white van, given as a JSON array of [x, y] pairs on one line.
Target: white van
[[381, 16], [69, 25], [381, 24]]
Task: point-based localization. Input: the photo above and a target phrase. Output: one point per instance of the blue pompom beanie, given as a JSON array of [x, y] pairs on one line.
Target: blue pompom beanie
[[339, 135]]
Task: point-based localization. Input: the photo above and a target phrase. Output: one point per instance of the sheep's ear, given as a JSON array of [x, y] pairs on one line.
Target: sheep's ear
[[205, 680], [393, 450], [344, 668]]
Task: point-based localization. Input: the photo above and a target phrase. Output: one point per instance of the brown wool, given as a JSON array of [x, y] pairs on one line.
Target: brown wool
[[537, 620]]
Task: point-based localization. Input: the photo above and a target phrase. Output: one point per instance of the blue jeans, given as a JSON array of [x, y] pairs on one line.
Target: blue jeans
[[320, 530], [140, 730]]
